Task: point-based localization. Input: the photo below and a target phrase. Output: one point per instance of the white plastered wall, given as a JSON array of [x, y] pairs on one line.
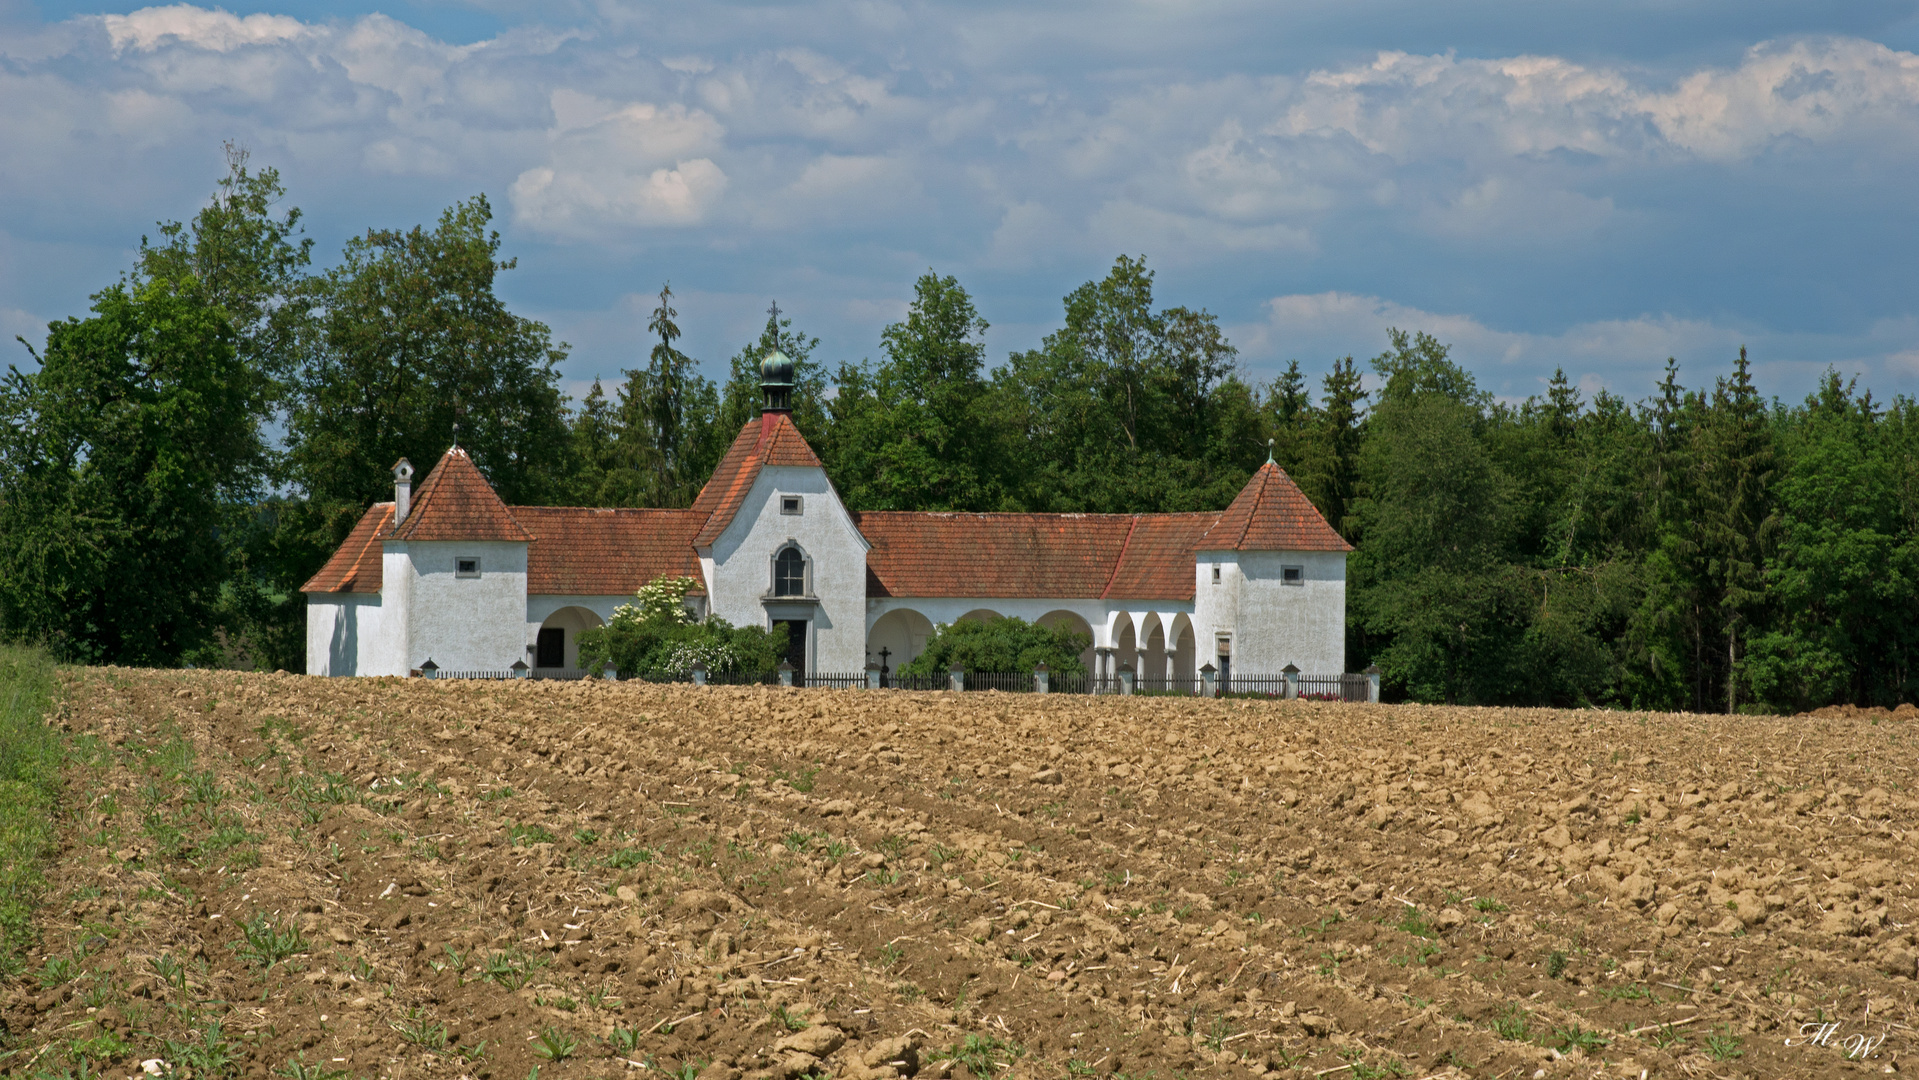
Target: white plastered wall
[[462, 624], [739, 565], [1272, 624], [344, 633]]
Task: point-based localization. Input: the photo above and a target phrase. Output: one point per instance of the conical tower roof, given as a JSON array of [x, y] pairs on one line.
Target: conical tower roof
[[1272, 514], [457, 503]]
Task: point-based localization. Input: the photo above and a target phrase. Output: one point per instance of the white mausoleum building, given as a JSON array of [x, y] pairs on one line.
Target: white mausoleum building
[[454, 575]]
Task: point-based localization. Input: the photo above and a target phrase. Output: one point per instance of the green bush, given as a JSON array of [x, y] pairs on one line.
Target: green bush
[[1004, 643], [30, 758], [656, 635]]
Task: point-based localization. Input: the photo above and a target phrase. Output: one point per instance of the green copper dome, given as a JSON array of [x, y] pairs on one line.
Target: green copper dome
[[776, 369]]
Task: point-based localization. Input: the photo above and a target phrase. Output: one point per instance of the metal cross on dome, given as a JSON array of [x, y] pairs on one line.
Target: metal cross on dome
[[773, 314]]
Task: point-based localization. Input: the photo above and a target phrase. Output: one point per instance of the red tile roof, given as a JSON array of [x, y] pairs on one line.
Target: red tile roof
[[1272, 514], [1158, 561], [591, 552], [355, 568], [457, 503], [993, 555], [588, 552], [771, 439]]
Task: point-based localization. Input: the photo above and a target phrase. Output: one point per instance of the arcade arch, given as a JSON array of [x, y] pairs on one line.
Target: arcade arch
[[559, 638], [1078, 624], [902, 633]]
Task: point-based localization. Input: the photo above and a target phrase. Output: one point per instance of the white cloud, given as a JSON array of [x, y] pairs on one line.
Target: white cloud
[[1500, 208], [1625, 356], [1123, 224], [183, 24], [621, 164], [900, 138], [1813, 90]]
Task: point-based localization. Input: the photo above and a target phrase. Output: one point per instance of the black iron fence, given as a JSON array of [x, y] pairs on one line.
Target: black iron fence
[[1348, 687], [836, 680], [1304, 687], [1335, 688], [1155, 685]]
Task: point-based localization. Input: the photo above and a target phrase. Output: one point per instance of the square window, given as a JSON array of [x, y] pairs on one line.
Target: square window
[[789, 504], [1292, 575], [466, 567]]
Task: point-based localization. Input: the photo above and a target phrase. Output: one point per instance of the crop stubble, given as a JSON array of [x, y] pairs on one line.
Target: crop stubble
[[603, 879]]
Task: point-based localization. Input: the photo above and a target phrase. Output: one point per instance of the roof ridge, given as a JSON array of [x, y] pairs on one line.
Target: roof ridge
[[1259, 501], [1120, 561], [456, 501]]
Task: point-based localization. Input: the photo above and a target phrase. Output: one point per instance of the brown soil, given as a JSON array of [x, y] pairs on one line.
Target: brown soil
[[766, 883]]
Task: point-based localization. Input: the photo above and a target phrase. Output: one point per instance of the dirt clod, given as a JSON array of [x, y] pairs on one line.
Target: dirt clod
[[468, 878]]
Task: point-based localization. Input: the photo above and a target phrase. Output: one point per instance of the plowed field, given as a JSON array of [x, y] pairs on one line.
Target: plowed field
[[437, 879]]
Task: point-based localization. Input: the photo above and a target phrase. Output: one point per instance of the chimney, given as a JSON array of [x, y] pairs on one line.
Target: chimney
[[402, 490]]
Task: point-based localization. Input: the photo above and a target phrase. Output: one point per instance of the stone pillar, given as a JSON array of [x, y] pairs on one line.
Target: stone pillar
[[957, 677], [872, 674], [1372, 683], [1041, 679], [1291, 671], [1126, 679], [786, 673], [1208, 681], [699, 673], [609, 672], [1172, 667]]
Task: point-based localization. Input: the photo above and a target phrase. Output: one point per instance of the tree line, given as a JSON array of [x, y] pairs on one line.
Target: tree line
[[188, 453]]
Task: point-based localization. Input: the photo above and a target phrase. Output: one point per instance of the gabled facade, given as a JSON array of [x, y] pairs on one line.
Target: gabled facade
[[457, 576]]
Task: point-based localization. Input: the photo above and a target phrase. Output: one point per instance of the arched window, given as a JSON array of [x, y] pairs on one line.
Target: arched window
[[789, 573]]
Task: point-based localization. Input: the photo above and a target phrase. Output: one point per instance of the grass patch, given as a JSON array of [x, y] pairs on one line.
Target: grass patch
[[31, 754], [982, 1056]]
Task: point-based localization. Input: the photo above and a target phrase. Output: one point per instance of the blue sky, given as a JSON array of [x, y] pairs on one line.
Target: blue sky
[[1593, 186]]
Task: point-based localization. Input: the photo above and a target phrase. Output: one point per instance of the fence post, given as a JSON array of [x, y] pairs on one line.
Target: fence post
[[872, 675], [1126, 678], [1041, 683], [957, 678], [1372, 683], [699, 673], [1291, 671], [1208, 677]]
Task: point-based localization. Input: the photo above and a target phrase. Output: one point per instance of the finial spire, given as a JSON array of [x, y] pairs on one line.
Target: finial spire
[[773, 321], [1269, 453]]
